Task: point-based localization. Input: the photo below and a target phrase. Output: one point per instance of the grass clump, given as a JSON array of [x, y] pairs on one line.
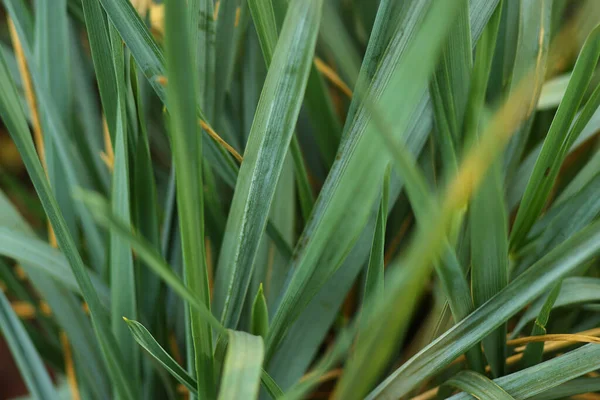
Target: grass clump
[[300, 199]]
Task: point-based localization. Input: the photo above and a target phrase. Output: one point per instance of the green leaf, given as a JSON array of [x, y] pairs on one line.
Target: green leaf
[[489, 256], [488, 219], [263, 158], [570, 388], [260, 315], [378, 41], [534, 350], [145, 204], [122, 278], [145, 339], [493, 313], [545, 376], [374, 282], [270, 385], [52, 53], [100, 48], [187, 159], [14, 119], [573, 290], [479, 386], [531, 51], [24, 353], [450, 88], [264, 15], [243, 367], [559, 139]]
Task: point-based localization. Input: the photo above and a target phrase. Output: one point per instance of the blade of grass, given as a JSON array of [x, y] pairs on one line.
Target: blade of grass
[[267, 145], [145, 204], [570, 388], [270, 386], [479, 386], [374, 282], [227, 27], [51, 51], [449, 88], [547, 375], [376, 46], [145, 339], [325, 123], [122, 277], [559, 139], [266, 23], [448, 268], [24, 353], [534, 351], [531, 49], [489, 256], [14, 119], [260, 315], [573, 290], [242, 367], [187, 159]]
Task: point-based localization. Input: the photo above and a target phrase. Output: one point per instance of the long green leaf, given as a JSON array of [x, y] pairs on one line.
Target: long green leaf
[[122, 277], [187, 159], [547, 375], [145, 339], [267, 145], [374, 282], [450, 88], [570, 388], [266, 21], [489, 256], [532, 46], [559, 139], [534, 351], [243, 366], [488, 220], [53, 53], [479, 386], [573, 290]]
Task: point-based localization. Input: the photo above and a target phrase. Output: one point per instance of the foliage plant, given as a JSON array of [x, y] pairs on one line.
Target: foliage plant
[[289, 199]]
